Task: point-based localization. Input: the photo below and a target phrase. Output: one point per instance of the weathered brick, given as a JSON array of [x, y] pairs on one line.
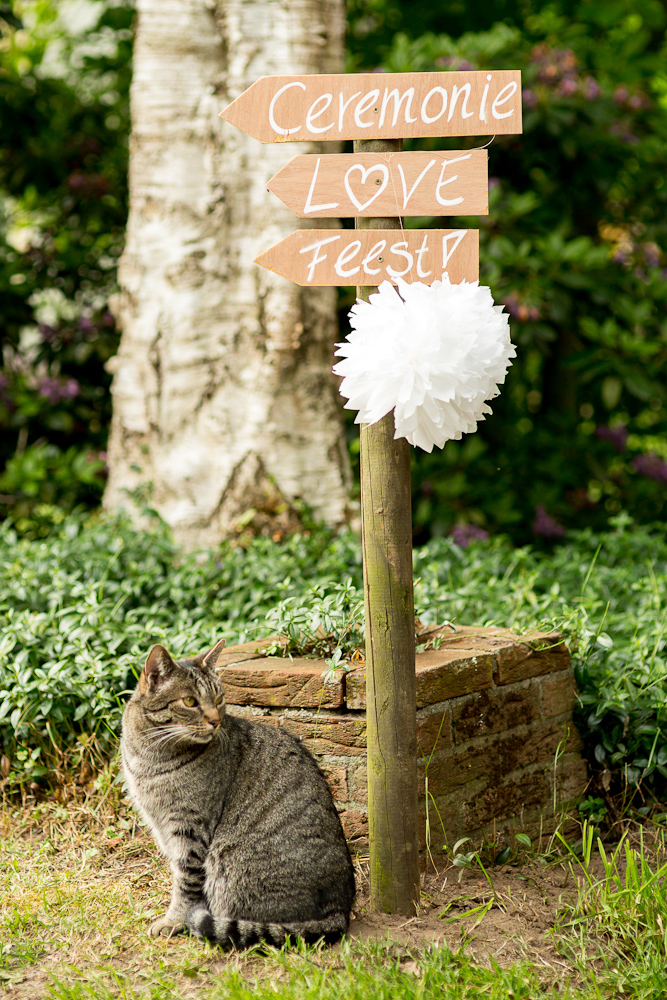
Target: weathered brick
[[355, 824], [355, 690], [276, 681], [337, 782], [523, 661], [572, 779], [242, 652], [505, 800], [558, 694], [344, 736], [443, 674], [360, 776], [493, 711], [440, 674], [434, 731], [518, 657], [498, 756]]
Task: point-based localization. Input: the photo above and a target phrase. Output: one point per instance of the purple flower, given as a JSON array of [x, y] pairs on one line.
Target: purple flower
[[493, 182], [616, 435], [545, 525], [512, 305], [85, 323], [567, 86], [651, 465], [652, 255], [71, 389], [591, 88], [464, 534], [529, 98], [56, 390], [639, 101], [47, 333]]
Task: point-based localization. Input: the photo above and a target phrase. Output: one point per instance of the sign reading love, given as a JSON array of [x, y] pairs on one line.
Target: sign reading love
[[384, 184]]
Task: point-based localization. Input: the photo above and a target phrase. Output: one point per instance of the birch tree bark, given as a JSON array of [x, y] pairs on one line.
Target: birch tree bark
[[223, 395]]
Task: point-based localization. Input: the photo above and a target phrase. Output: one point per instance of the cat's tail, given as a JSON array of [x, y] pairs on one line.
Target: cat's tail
[[232, 932]]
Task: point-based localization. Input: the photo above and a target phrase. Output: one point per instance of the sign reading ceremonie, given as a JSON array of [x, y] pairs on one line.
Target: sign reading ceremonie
[[379, 106]]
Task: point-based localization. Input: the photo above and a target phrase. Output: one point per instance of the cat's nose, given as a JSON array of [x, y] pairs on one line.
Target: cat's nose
[[212, 717]]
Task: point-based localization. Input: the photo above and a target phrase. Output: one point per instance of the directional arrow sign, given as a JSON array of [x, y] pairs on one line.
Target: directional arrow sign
[[384, 184], [379, 106], [370, 256]]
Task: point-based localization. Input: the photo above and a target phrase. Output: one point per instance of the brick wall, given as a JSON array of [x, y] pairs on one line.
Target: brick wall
[[496, 742]]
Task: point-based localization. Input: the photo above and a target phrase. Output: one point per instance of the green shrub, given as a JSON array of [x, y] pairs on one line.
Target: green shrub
[[80, 608]]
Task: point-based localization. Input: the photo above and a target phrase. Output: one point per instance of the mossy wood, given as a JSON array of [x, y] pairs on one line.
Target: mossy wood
[[390, 646]]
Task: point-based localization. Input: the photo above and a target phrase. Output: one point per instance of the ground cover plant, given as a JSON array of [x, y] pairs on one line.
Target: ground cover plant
[[80, 608]]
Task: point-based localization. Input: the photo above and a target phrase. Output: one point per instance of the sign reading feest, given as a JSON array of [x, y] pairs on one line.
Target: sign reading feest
[[371, 256], [384, 184], [379, 106]]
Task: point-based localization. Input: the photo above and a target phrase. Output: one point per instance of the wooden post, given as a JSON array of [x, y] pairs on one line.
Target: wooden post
[[390, 645]]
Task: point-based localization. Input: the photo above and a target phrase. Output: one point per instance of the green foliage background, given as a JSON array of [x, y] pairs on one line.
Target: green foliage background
[[64, 85], [574, 244]]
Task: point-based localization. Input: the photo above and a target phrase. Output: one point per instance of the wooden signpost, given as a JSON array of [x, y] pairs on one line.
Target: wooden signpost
[[377, 185]]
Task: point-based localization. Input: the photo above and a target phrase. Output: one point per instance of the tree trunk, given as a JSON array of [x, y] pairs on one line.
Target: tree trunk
[[224, 401]]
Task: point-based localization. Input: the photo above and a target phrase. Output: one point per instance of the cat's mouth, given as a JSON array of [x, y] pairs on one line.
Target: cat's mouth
[[207, 734]]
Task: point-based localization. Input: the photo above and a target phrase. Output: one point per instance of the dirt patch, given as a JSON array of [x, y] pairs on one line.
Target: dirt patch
[[508, 916], [85, 896]]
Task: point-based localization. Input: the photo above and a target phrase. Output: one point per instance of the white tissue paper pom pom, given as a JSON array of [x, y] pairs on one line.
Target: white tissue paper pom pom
[[433, 354]]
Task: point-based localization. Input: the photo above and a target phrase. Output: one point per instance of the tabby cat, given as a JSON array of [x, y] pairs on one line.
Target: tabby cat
[[241, 811]]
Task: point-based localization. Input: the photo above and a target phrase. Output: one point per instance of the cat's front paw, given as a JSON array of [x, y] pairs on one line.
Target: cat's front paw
[[164, 927]]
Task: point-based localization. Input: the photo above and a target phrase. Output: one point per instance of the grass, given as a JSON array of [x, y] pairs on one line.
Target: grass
[[618, 919], [80, 885]]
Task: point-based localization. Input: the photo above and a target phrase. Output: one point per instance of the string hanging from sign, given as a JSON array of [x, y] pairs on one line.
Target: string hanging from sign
[[434, 354]]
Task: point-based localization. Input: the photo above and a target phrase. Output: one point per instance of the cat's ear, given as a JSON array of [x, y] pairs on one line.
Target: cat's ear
[[158, 665], [211, 658]]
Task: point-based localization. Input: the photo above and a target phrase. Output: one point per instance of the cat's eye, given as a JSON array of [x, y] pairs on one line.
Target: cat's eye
[[190, 701], [219, 700]]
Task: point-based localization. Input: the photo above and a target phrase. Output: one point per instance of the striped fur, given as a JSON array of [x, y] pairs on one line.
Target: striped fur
[[241, 811]]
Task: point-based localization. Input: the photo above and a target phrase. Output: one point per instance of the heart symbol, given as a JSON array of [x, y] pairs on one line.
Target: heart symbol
[[384, 170]]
